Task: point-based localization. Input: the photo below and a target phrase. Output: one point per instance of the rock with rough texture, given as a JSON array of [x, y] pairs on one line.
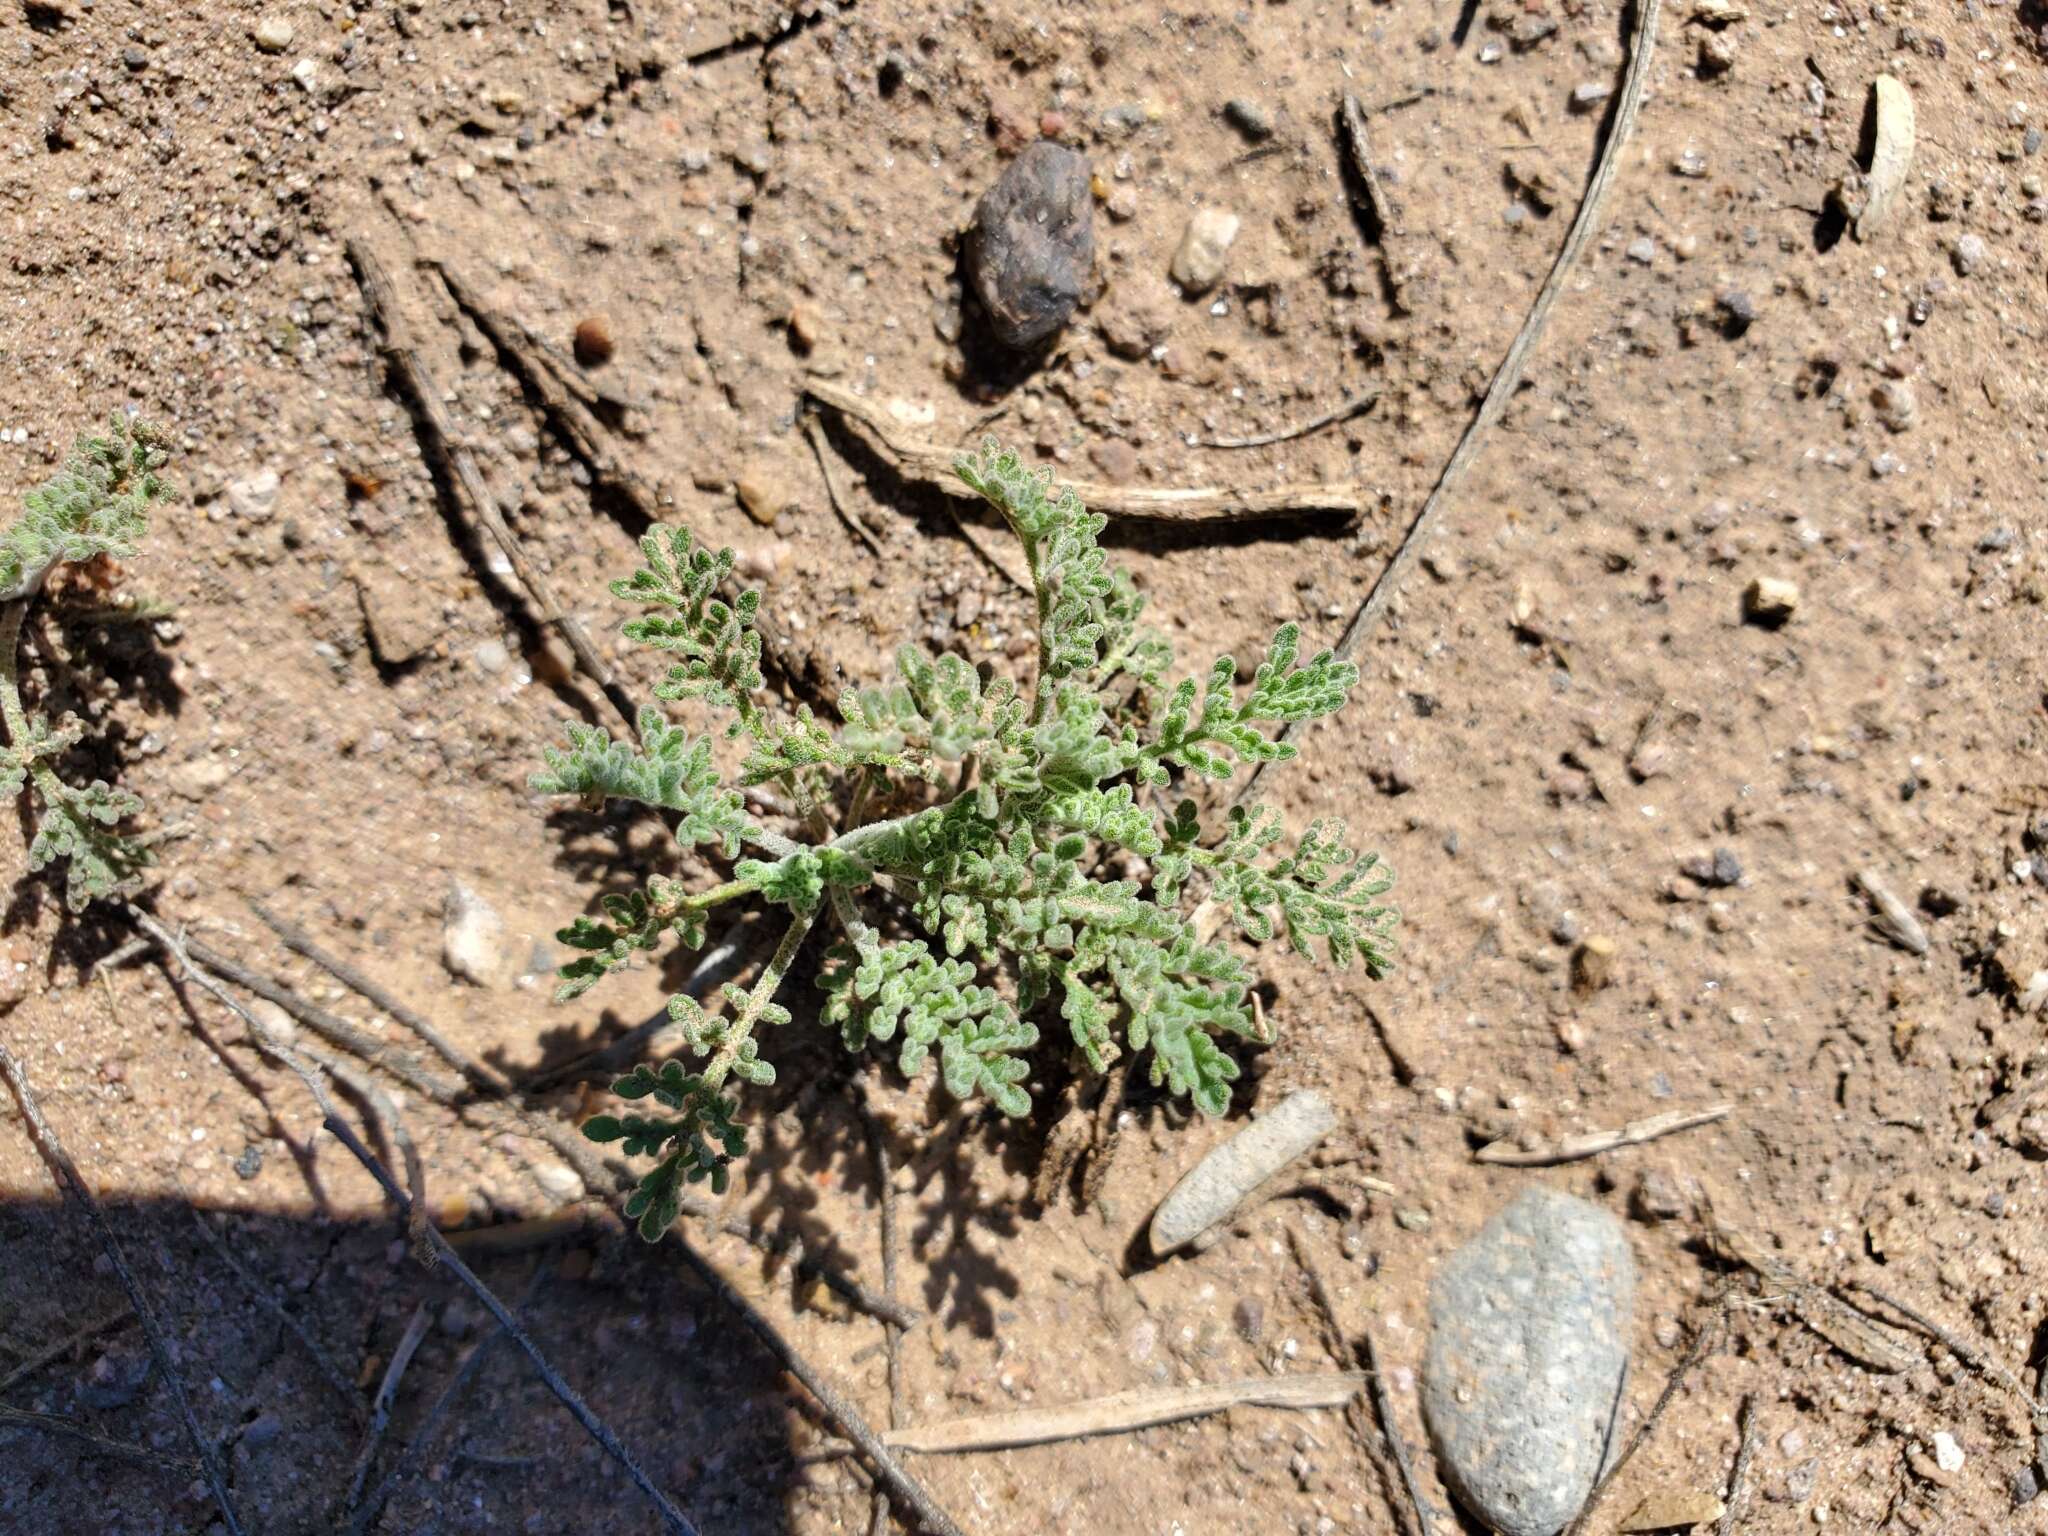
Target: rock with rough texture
[[1214, 1187], [1198, 263], [1033, 244], [476, 946], [1528, 1341]]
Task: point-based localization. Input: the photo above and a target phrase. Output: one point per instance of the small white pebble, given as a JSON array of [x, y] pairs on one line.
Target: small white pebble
[[1947, 1454]]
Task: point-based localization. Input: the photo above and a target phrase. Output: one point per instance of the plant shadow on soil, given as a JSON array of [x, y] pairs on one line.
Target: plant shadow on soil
[[705, 1410]]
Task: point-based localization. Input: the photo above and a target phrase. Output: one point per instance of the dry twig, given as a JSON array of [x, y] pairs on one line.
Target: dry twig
[[1593, 1143], [1368, 1352], [580, 428], [366, 1512], [1121, 1412], [567, 1395], [1508, 377], [1378, 210], [853, 524], [75, 1189], [1731, 1507], [885, 1183], [1709, 1330], [932, 464], [410, 373], [92, 1439], [380, 1408], [1356, 406], [300, 942], [49, 1354]]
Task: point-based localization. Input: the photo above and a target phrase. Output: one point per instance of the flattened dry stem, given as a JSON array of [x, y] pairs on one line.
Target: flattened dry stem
[[931, 464], [1593, 1143]]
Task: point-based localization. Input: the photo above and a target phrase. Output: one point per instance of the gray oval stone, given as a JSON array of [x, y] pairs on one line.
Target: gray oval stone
[[1528, 1340]]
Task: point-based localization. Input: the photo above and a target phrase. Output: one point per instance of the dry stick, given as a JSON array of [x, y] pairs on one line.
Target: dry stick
[[1693, 1355], [892, 1332], [300, 1061], [1979, 1362], [1382, 1401], [84, 1434], [910, 1494], [542, 1125], [595, 1427], [586, 436], [373, 1097], [1508, 377], [299, 942], [57, 1351], [380, 1409], [932, 464], [1731, 1507], [1121, 1412], [413, 379], [1593, 1143], [337, 1031], [1379, 210], [853, 524], [74, 1186], [1356, 406], [261, 1293], [366, 1513]]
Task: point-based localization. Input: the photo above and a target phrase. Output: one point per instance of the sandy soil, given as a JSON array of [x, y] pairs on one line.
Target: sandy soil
[[1566, 713]]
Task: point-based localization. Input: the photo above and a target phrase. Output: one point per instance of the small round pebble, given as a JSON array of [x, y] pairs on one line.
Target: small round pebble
[[594, 344]]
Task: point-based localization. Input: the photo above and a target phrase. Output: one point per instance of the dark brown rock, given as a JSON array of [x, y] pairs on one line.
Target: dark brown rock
[[1033, 244]]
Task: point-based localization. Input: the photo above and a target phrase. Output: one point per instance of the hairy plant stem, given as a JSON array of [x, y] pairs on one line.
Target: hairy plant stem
[[761, 995]]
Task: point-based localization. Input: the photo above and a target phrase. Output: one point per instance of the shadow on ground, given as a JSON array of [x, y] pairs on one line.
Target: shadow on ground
[[703, 1408]]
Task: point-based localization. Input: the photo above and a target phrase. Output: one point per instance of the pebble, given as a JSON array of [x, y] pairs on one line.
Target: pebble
[[1770, 600], [1033, 243], [274, 34], [1117, 460], [1737, 310], [262, 1430], [1895, 404], [1717, 53], [115, 1380], [1527, 1347], [761, 495], [1249, 119], [476, 946], [255, 498], [1947, 1454], [492, 657], [559, 1181], [249, 1163], [1791, 1443], [1587, 96], [1214, 1187], [1198, 263], [275, 1022], [1593, 964], [307, 73], [1721, 868], [1968, 254], [2026, 1487], [1658, 1196], [593, 342], [1642, 250]]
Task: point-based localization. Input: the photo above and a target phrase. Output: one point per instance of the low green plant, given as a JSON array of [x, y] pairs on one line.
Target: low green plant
[[1039, 873], [97, 504]]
